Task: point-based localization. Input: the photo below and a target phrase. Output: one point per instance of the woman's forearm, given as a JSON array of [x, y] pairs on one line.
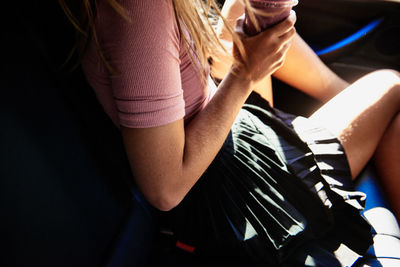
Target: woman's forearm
[[206, 133], [168, 160]]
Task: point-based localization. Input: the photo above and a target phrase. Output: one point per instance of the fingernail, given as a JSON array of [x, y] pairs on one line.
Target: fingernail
[[292, 15]]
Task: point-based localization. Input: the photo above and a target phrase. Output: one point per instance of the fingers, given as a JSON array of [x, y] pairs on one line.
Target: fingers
[[288, 36], [283, 38], [280, 29], [280, 56], [264, 53], [239, 26]]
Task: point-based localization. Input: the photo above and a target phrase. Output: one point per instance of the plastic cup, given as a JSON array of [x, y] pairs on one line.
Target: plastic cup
[[267, 13]]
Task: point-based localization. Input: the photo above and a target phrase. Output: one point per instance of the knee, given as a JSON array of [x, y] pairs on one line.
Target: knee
[[388, 80], [388, 75], [388, 72]]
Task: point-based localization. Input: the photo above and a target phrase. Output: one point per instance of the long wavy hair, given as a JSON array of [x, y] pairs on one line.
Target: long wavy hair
[[195, 16]]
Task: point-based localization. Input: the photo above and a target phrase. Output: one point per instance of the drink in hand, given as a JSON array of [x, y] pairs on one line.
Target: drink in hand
[[267, 13]]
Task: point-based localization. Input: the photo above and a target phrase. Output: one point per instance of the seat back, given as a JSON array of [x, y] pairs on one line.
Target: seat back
[[66, 191]]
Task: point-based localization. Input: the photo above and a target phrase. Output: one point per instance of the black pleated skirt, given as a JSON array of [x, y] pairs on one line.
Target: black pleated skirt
[[278, 193]]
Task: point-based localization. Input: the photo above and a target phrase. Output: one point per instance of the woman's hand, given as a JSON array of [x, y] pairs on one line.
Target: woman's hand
[[264, 53]]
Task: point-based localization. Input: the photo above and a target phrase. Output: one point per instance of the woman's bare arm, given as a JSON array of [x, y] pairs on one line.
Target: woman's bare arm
[[168, 160]]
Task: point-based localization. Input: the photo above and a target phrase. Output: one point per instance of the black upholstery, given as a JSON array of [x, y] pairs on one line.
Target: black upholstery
[[66, 191]]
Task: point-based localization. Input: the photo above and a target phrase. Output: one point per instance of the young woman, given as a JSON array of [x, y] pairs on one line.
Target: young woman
[[233, 175]]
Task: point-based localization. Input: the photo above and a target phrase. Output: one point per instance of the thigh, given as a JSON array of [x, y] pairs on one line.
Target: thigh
[[360, 114], [264, 89]]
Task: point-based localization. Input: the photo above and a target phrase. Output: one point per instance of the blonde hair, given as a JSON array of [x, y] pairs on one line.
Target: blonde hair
[[193, 16], [196, 17], [82, 16]]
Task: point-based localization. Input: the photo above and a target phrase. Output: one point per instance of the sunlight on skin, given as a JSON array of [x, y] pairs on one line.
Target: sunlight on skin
[[360, 115], [359, 95]]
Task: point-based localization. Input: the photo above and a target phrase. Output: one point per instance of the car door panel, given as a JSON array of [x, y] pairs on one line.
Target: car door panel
[[365, 34]]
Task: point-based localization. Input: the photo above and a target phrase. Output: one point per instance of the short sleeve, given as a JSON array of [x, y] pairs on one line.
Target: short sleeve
[[144, 52]]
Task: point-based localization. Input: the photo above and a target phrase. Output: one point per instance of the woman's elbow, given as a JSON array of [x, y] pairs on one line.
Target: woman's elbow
[[164, 201]]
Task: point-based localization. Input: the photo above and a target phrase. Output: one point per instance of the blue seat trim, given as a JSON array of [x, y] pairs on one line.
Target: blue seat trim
[[350, 39]]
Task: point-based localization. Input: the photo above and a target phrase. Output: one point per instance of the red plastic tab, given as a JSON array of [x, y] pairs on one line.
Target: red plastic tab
[[184, 246]]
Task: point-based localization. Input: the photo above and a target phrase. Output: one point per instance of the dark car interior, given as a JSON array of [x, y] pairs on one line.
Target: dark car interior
[[67, 197]]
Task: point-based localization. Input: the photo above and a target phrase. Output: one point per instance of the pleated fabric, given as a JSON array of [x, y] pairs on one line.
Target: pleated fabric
[[279, 192]]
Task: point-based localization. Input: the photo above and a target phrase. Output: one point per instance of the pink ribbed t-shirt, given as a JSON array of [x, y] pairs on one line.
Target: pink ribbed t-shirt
[[155, 82]]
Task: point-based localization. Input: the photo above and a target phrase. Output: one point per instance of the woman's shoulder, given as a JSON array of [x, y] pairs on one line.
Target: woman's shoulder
[[137, 16], [137, 8]]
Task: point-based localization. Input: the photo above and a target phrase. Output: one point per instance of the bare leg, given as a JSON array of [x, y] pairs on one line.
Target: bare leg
[[264, 89], [387, 162], [365, 118]]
